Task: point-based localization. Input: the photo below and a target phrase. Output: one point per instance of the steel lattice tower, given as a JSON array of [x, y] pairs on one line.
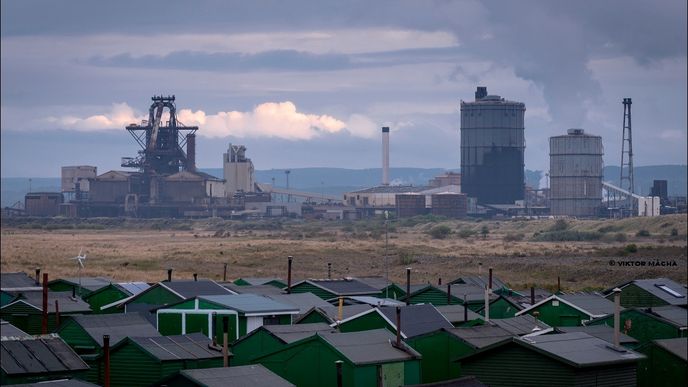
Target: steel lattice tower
[[627, 149]]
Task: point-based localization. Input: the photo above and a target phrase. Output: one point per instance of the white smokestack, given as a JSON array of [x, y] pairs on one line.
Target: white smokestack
[[385, 155]]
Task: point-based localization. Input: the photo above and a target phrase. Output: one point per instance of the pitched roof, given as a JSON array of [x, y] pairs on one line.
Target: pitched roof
[[251, 304], [254, 375], [601, 331], [373, 301], [416, 319], [16, 280], [66, 303], [39, 355], [480, 281], [118, 326], [466, 381], [303, 301], [481, 336], [369, 347], [58, 383], [669, 291], [342, 287], [133, 288], [520, 325], [675, 314], [377, 282], [189, 289], [262, 290], [178, 347], [579, 349], [594, 304], [9, 330], [90, 283], [473, 292], [521, 298], [332, 312], [678, 346], [454, 313], [292, 333], [261, 280]]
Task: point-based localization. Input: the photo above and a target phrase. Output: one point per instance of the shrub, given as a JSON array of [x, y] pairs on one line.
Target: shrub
[[466, 233], [484, 231], [559, 225], [643, 233], [440, 232], [674, 232], [632, 248]]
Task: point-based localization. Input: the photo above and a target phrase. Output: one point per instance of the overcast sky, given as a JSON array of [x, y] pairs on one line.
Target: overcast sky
[[309, 83]]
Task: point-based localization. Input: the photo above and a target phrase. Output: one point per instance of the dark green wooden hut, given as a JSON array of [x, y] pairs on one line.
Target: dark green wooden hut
[[112, 293], [667, 363], [437, 295], [272, 281], [254, 375], [328, 289], [88, 284], [648, 293], [415, 320], [330, 314], [565, 310], [270, 338], [646, 325], [26, 312], [367, 357]]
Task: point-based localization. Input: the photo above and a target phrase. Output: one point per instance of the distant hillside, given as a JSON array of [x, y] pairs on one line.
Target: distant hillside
[[643, 177]]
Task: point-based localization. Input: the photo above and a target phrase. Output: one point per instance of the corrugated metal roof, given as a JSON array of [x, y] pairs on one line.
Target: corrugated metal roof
[[189, 289], [65, 301], [39, 355], [178, 347], [454, 313], [366, 347], [118, 326], [376, 282], [416, 320], [675, 314], [520, 325], [292, 333], [9, 330], [481, 336], [262, 290], [90, 283], [16, 280], [678, 346], [591, 303], [671, 292], [251, 303], [133, 288], [303, 301], [254, 375], [579, 349], [58, 383], [600, 331], [344, 287]]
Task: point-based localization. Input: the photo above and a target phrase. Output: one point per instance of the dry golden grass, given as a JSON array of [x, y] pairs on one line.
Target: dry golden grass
[[144, 254]]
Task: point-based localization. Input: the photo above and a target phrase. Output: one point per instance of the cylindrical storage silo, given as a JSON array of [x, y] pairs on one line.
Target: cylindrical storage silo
[[492, 147], [575, 172]]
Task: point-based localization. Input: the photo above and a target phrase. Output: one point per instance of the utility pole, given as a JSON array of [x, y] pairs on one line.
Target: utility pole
[[627, 153], [386, 255], [287, 172]]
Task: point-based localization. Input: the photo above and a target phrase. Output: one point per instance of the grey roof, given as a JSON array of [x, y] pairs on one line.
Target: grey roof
[[90, 283], [416, 320], [678, 346], [332, 312], [466, 381], [303, 301], [344, 287], [591, 303], [254, 375], [473, 292], [262, 290], [39, 355], [481, 336], [65, 301], [292, 333], [262, 280], [675, 314], [377, 282], [369, 347], [374, 301], [520, 325], [579, 349], [16, 280], [396, 189], [521, 298], [454, 313], [133, 288], [652, 286], [178, 347], [251, 303], [58, 383], [189, 289], [118, 326], [600, 331], [9, 330], [480, 281]]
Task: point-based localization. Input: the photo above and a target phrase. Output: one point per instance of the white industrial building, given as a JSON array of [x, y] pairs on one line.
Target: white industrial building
[[238, 171]]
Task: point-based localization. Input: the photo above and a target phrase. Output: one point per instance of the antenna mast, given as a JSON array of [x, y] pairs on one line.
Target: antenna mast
[[627, 152]]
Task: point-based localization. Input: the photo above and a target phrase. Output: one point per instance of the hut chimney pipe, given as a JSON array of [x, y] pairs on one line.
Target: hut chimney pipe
[[213, 329], [490, 279], [38, 276], [558, 284], [532, 295], [448, 294], [408, 286], [338, 364], [73, 292], [439, 281], [106, 355], [225, 353], [224, 274], [480, 268], [44, 321], [465, 308], [487, 304], [169, 275], [340, 310], [195, 275], [398, 327], [57, 314], [289, 258], [617, 316]]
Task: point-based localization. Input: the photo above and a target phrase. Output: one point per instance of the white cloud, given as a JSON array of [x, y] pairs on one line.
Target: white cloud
[[118, 117], [671, 135]]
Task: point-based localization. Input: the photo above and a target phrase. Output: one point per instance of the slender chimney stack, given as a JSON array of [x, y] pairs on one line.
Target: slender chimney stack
[[38, 276], [169, 275], [106, 356], [340, 310], [57, 314], [439, 281], [225, 352], [490, 280], [289, 258], [398, 327], [465, 308], [191, 152], [224, 274], [338, 364], [558, 284], [480, 268], [448, 294], [532, 295], [44, 321], [385, 155], [617, 316], [408, 286], [487, 304], [195, 275]]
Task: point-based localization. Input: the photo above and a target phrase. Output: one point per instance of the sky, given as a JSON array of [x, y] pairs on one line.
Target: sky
[[310, 83]]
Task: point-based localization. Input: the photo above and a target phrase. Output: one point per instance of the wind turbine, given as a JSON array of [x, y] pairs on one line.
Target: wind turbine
[[80, 265]]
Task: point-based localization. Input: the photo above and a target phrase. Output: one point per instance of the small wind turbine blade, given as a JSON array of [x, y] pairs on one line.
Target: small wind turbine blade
[[80, 250], [81, 263]]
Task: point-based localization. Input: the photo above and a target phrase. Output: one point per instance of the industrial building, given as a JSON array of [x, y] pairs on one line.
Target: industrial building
[[238, 171], [575, 174], [42, 203], [492, 149]]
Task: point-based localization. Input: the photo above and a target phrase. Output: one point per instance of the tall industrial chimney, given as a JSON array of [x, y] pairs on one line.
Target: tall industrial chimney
[[191, 152], [385, 155]]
